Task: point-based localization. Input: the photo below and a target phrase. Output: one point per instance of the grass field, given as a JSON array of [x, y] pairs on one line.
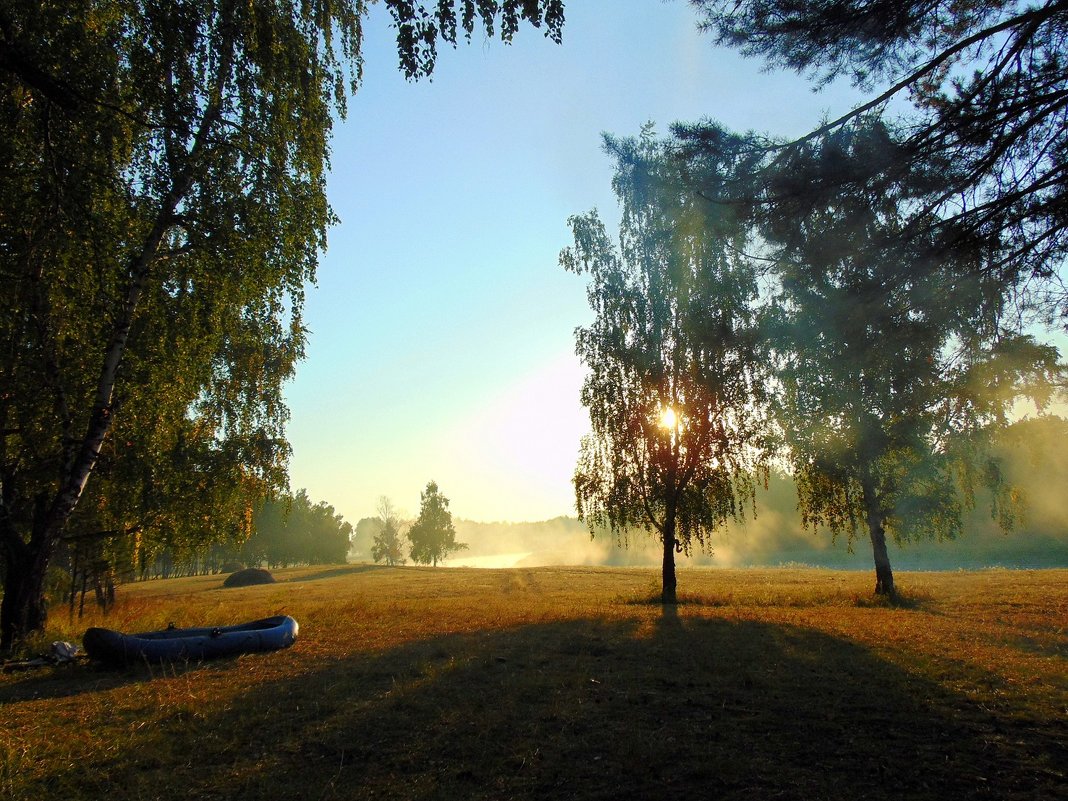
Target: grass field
[[565, 683]]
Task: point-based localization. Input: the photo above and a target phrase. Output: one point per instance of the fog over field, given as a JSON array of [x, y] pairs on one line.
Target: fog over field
[[776, 536], [773, 539]]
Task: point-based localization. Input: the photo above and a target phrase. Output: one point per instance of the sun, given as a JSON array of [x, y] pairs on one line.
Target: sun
[[668, 419]]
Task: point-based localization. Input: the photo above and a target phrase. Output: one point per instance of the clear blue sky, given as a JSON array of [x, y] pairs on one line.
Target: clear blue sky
[[441, 341]]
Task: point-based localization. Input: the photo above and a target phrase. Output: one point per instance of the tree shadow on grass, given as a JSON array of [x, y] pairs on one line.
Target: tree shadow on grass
[[682, 707]]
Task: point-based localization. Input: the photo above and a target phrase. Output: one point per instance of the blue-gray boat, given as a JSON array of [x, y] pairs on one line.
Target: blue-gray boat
[[190, 645]]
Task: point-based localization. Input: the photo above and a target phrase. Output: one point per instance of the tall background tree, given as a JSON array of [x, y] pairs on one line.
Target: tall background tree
[[432, 535], [890, 409], [675, 389], [162, 207]]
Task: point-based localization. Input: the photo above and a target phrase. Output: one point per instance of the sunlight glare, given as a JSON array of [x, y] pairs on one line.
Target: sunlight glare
[[668, 418]]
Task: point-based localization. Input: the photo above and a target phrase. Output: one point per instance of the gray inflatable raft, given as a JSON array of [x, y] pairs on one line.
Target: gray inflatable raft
[[190, 645]]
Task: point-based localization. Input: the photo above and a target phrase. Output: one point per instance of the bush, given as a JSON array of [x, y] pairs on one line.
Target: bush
[[248, 577]]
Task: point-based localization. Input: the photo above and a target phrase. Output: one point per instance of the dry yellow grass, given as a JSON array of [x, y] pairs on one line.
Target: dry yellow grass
[[418, 683]]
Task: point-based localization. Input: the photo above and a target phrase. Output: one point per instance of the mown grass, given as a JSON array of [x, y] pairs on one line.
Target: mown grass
[[554, 683]]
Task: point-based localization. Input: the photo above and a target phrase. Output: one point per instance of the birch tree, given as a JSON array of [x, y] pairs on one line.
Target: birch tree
[[676, 388], [162, 208]]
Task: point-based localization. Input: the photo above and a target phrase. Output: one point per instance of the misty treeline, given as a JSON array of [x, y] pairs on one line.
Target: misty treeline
[[162, 209], [428, 539], [861, 308], [1031, 453], [1034, 459], [284, 531]]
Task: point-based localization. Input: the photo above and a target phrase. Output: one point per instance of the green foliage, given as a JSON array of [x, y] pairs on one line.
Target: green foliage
[[675, 390], [162, 208], [432, 535]]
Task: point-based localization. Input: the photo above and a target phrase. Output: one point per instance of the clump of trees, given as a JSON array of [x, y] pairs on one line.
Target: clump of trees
[[903, 260], [293, 531], [427, 540]]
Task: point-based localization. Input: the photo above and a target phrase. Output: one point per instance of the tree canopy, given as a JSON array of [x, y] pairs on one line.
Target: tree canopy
[[162, 208]]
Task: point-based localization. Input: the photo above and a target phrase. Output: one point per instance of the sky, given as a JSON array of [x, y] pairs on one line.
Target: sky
[[441, 341]]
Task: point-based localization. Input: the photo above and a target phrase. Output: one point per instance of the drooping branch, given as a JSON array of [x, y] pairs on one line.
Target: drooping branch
[[1031, 19]]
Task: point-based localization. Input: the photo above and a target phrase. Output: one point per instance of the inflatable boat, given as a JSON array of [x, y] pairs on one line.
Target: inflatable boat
[[190, 645]]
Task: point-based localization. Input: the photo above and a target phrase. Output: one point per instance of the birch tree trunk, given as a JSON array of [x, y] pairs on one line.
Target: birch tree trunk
[[884, 575]]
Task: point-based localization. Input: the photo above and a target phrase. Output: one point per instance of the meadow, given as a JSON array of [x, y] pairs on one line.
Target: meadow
[[566, 683]]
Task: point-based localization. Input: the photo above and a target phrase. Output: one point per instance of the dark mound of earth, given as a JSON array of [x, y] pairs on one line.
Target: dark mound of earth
[[248, 577]]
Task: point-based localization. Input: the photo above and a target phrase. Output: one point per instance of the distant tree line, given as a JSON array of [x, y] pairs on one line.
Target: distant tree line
[[294, 531]]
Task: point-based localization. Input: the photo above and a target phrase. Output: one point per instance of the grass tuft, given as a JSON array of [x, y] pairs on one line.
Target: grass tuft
[[901, 599]]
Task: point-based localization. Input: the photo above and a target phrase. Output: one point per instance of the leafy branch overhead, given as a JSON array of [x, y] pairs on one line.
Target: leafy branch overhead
[[419, 29], [972, 131]]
